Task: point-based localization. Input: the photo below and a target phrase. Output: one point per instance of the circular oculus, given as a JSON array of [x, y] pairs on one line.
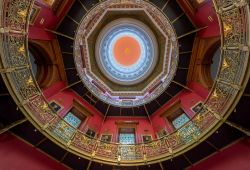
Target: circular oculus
[[126, 51]]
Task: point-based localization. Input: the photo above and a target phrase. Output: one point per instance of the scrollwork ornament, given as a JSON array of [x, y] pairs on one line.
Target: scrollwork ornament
[[17, 14], [235, 33]]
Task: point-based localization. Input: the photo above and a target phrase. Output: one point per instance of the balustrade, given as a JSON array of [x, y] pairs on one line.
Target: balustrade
[[231, 79]]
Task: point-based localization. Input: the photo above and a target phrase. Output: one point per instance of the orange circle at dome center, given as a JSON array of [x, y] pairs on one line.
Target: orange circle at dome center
[[127, 51]]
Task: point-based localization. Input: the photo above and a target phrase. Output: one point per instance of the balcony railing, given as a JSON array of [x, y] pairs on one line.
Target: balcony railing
[[232, 78]]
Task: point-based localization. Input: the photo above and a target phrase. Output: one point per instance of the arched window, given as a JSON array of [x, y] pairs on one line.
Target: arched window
[[210, 64], [33, 63], [40, 65], [215, 63]]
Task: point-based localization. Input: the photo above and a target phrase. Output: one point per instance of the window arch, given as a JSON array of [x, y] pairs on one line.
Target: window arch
[[41, 65], [210, 64]]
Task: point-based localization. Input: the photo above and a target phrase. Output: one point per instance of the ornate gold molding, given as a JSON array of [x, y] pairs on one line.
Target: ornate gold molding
[[221, 101]]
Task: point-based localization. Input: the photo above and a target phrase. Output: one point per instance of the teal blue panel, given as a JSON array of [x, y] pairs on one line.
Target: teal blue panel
[[180, 121], [71, 119], [128, 138]]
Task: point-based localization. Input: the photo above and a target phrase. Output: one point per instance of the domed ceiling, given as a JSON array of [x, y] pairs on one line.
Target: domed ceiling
[[126, 51], [126, 54], [126, 57], [221, 101]]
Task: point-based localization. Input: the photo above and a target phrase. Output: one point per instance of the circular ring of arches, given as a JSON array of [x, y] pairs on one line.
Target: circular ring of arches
[[157, 72]]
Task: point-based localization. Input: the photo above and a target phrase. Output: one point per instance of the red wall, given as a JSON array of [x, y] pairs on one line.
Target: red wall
[[187, 100], [200, 19], [235, 157], [18, 155], [143, 127], [65, 99], [54, 89], [37, 33], [199, 89], [51, 20]]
